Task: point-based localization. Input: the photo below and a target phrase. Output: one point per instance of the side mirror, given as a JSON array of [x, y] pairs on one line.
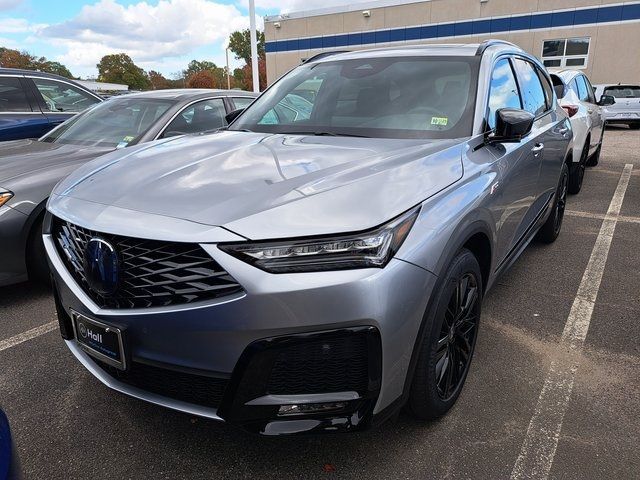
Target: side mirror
[[606, 100], [232, 115], [512, 124]]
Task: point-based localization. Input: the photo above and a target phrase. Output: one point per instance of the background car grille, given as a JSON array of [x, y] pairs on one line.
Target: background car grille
[[152, 273], [186, 387], [321, 366]]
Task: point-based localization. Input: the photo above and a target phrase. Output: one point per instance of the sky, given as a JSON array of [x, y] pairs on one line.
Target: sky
[[162, 35]]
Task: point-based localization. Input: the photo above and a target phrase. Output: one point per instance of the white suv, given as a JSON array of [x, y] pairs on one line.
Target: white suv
[[576, 95]]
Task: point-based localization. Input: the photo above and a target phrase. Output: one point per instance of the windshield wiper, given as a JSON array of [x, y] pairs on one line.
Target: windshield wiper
[[325, 134]]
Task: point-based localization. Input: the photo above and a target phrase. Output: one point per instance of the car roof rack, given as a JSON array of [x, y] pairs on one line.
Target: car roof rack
[[324, 54], [490, 43]]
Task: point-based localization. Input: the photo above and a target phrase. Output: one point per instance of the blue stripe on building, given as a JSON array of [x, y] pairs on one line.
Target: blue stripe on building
[[570, 18]]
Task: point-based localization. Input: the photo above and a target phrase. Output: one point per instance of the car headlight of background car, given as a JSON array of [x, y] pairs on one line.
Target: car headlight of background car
[[370, 249], [5, 196]]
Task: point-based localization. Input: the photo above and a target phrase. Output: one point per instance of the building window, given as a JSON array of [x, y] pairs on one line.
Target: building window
[[566, 52]]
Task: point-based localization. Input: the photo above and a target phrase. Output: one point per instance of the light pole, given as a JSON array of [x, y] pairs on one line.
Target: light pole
[[254, 45], [228, 75]]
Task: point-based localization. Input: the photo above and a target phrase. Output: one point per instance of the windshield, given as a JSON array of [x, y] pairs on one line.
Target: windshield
[[117, 122], [623, 91], [396, 97]]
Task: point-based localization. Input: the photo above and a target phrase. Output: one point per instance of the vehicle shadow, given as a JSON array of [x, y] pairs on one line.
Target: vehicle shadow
[[22, 294]]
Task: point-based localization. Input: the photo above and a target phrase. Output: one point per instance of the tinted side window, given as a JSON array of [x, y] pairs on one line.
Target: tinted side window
[[63, 97], [199, 117], [12, 96], [548, 89], [242, 102], [583, 93], [533, 96], [590, 90], [503, 91]]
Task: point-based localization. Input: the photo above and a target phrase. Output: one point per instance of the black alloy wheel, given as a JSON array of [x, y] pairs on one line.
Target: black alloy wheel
[[447, 340], [561, 204], [552, 225], [457, 336]]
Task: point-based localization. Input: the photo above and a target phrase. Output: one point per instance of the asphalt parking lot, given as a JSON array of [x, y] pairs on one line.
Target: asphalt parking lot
[[67, 425]]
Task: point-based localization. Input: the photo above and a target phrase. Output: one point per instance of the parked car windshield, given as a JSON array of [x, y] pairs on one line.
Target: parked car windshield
[[388, 97], [623, 91], [117, 122]]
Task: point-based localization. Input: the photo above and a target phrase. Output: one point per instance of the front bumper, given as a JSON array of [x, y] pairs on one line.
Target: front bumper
[[221, 339], [13, 268]]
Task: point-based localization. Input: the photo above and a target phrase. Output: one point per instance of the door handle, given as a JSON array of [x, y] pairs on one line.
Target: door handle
[[562, 131], [590, 111], [538, 148]]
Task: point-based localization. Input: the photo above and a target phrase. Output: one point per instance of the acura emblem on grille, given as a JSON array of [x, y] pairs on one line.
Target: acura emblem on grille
[[101, 266]]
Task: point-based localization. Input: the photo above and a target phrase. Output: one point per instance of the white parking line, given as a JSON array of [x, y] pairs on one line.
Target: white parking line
[[600, 216], [28, 335], [541, 440]]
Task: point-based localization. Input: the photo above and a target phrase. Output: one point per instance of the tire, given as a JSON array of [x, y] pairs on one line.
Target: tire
[[595, 158], [634, 126], [551, 228], [450, 333], [37, 266], [576, 174]]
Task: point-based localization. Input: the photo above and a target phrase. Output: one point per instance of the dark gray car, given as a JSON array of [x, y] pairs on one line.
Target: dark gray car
[[322, 262], [29, 169]]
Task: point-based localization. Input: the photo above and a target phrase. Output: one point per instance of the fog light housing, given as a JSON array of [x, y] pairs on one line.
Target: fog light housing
[[309, 408]]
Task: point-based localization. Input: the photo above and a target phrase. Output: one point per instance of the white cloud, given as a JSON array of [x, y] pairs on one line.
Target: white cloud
[[287, 6], [149, 34], [18, 25], [9, 4]]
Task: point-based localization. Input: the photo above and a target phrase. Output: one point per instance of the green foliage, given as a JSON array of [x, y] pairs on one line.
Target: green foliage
[[14, 59], [240, 45], [196, 66], [119, 68]]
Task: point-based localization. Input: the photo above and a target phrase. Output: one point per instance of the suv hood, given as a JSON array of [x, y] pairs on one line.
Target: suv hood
[[263, 185], [21, 158]]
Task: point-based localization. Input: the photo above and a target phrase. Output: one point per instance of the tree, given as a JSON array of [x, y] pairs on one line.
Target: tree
[[15, 59], [119, 68], [196, 66], [203, 79], [247, 75], [240, 45], [54, 67], [158, 82]]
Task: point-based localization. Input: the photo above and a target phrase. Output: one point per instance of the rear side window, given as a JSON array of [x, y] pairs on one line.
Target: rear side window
[[623, 91], [242, 102], [533, 96], [583, 90], [63, 97], [546, 86], [12, 96], [503, 91]]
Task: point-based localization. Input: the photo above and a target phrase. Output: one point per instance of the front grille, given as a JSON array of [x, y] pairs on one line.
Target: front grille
[[152, 273], [185, 387], [321, 366]]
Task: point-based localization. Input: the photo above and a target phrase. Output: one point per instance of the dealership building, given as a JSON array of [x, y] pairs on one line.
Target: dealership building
[[602, 38]]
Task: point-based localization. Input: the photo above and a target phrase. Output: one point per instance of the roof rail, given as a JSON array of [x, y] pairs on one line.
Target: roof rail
[[324, 54], [490, 43]]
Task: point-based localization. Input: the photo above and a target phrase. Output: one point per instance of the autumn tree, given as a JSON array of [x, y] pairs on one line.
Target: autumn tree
[[119, 68], [203, 79], [158, 81], [15, 59], [247, 75], [240, 45]]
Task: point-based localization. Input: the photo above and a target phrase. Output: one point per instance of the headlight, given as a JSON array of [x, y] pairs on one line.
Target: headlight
[[373, 248], [5, 195]]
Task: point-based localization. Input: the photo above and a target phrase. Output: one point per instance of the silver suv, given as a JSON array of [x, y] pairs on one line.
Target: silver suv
[[322, 262]]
